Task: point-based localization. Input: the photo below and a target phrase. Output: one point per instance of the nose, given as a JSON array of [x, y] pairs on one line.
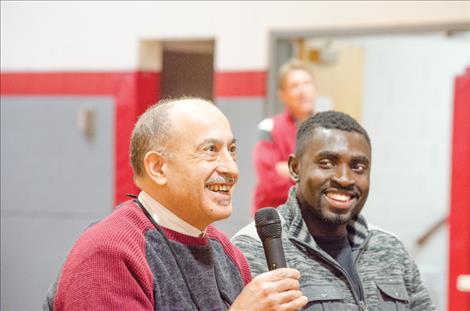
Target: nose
[[343, 176], [228, 166]]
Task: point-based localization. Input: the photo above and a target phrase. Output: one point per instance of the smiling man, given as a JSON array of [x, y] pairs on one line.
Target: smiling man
[[159, 251], [345, 264]]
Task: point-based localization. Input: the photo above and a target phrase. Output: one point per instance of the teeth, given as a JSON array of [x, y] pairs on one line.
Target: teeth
[[338, 196], [217, 188]]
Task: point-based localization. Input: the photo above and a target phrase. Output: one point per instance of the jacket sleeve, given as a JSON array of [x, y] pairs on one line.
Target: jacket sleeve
[[419, 295], [105, 277], [253, 250]]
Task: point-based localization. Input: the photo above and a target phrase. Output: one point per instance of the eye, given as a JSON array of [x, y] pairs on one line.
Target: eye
[[233, 152], [325, 163], [211, 148], [359, 168], [233, 149]]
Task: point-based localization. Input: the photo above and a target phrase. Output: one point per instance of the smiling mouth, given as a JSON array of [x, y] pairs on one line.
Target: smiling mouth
[[340, 200], [220, 188]]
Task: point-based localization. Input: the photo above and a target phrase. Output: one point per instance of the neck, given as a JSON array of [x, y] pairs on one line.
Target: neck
[[162, 198]]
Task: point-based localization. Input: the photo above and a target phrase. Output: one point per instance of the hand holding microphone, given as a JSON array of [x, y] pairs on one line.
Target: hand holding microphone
[[278, 289]]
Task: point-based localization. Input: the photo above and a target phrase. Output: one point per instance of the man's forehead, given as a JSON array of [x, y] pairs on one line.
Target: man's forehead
[[322, 138], [295, 74], [196, 130], [198, 112], [218, 141]]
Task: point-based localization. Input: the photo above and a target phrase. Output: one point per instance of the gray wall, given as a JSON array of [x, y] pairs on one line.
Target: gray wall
[[244, 113], [54, 181]]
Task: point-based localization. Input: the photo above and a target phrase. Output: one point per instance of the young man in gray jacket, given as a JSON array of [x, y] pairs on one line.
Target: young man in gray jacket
[[345, 264]]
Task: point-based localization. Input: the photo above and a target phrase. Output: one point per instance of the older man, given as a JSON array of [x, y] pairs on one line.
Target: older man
[[345, 264], [159, 251], [297, 91]]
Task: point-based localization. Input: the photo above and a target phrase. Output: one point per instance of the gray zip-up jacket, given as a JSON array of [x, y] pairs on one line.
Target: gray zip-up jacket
[[388, 275]]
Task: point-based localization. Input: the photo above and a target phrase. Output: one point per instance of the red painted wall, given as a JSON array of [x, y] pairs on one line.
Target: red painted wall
[[459, 220], [240, 84], [133, 93]]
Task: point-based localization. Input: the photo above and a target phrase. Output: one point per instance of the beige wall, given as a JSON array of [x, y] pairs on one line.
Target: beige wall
[[341, 78], [105, 35]]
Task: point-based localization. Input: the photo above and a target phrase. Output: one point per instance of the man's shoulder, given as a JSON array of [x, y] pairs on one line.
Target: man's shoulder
[[249, 231], [123, 227], [249, 243], [384, 239], [265, 127], [218, 236], [268, 125], [379, 231]]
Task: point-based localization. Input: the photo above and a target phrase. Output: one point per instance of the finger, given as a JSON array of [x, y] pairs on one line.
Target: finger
[[279, 274], [284, 285], [287, 296], [294, 304]]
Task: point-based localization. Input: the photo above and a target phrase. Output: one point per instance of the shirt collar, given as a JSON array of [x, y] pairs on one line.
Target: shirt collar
[[164, 217]]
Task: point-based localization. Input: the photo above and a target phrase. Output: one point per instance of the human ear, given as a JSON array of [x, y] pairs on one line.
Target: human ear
[[154, 163], [293, 164]]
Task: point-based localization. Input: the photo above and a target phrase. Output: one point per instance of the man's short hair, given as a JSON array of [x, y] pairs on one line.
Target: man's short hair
[[151, 132], [334, 120], [291, 65]]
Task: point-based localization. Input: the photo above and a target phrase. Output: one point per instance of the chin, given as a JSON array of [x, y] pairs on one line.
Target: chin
[[221, 212], [336, 219], [227, 211]]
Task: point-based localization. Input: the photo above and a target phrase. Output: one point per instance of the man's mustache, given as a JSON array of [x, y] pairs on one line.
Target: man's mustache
[[222, 179]]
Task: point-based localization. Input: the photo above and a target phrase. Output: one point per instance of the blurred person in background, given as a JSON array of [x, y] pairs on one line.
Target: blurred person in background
[[297, 91], [159, 250], [345, 263]]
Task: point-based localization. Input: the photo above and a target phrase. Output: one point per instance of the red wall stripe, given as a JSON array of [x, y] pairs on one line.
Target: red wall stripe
[[133, 93], [60, 83], [240, 84], [226, 84], [459, 219]]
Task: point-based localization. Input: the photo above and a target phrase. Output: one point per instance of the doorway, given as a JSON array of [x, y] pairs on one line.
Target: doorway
[[187, 69]]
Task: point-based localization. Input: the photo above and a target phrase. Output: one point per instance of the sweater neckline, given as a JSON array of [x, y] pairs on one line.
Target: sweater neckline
[[169, 233], [184, 238]]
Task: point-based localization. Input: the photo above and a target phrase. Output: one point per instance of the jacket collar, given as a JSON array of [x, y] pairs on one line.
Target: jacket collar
[[298, 230]]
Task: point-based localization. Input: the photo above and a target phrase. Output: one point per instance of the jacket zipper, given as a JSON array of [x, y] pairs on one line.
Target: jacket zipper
[[361, 304], [361, 288]]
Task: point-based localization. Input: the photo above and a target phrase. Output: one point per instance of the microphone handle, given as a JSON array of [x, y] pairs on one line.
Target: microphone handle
[[274, 253]]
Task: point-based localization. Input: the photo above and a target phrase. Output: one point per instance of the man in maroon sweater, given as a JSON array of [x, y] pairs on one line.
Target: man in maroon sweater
[[159, 251], [297, 91]]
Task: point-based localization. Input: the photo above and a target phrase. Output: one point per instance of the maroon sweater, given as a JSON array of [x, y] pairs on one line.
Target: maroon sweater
[[124, 263]]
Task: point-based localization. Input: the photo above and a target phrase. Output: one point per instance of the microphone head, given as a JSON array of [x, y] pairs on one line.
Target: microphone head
[[268, 223]]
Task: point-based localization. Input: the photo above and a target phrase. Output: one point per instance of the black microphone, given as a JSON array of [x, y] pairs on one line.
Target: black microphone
[[268, 225]]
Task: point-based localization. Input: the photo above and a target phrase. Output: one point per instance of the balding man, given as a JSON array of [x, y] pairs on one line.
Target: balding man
[[159, 250]]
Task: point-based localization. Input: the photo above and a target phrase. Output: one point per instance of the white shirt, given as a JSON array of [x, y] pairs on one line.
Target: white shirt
[[166, 218]]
